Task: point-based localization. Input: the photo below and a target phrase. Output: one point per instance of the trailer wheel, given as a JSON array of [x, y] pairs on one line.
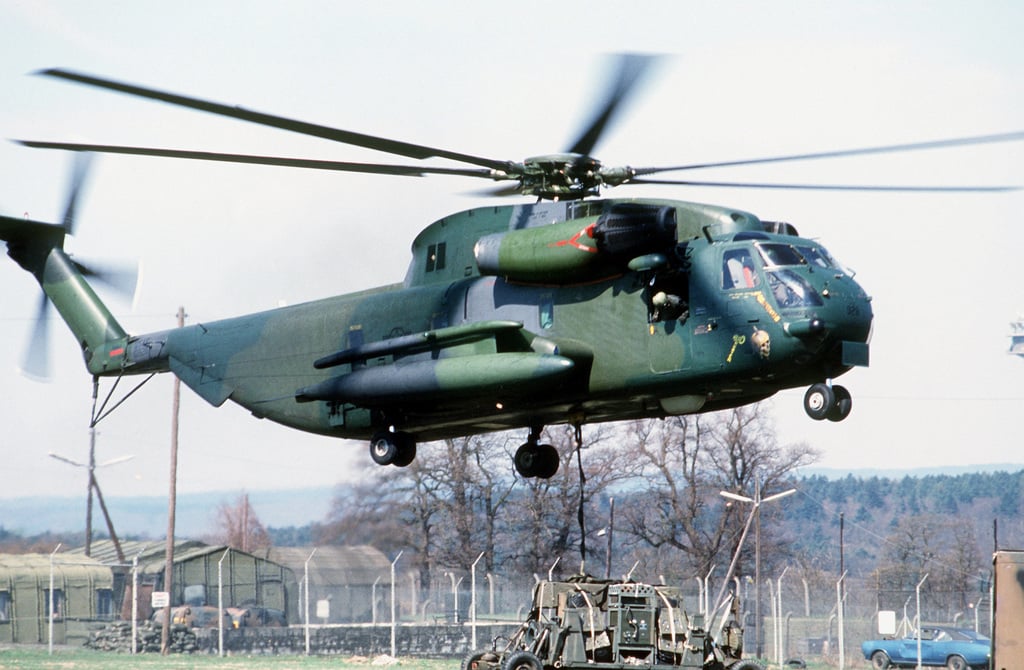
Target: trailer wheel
[[480, 660], [522, 660]]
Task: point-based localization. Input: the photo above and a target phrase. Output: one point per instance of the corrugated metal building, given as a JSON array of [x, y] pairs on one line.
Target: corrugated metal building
[[344, 577], [247, 579], [83, 597]]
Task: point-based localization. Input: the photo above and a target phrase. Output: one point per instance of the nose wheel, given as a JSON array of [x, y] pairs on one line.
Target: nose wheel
[[826, 401]]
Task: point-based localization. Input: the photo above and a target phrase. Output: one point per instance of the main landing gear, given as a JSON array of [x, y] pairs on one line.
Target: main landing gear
[[536, 460], [389, 447], [394, 447], [825, 401]]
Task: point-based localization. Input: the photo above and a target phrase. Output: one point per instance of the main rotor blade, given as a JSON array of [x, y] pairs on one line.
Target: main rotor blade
[[79, 174], [832, 187], [371, 168], [891, 148], [631, 68], [335, 134]]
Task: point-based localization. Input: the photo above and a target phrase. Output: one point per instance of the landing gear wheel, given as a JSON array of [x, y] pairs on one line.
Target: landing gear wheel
[[392, 448], [383, 448], [406, 450], [526, 459], [549, 461], [818, 401], [536, 460], [842, 404]]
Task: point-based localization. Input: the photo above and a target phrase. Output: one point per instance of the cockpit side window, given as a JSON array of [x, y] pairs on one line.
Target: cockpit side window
[[792, 290], [738, 269]]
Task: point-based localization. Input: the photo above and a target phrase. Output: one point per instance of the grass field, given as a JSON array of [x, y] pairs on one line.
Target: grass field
[[33, 657], [29, 657]]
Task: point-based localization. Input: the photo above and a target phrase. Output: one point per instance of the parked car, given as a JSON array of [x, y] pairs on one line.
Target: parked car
[[193, 616], [267, 617], [954, 648]]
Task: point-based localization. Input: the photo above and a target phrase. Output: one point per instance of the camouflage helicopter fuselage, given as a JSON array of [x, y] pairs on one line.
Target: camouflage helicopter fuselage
[[514, 316]]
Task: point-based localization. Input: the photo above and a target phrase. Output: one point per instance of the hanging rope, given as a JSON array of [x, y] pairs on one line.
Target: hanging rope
[[583, 481]]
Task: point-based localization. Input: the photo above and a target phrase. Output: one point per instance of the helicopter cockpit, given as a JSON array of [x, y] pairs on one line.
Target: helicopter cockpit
[[780, 263]]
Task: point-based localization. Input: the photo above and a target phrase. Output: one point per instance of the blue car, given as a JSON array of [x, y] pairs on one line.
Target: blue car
[[954, 648]]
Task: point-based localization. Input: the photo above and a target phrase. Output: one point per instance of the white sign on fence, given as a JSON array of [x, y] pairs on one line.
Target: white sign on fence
[[161, 599]]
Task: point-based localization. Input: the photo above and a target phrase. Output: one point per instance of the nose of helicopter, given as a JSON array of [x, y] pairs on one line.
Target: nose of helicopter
[[846, 321]]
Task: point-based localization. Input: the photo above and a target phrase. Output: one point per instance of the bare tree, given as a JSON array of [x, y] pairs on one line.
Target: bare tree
[[544, 517], [686, 461], [238, 527]]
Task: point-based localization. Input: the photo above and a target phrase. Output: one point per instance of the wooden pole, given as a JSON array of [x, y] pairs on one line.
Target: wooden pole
[[171, 501]]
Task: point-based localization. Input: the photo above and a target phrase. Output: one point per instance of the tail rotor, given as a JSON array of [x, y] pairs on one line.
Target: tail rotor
[[122, 279]]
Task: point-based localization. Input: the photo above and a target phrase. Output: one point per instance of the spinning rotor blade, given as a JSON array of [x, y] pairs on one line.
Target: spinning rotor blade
[[631, 69], [842, 153], [35, 364], [336, 134], [123, 279], [79, 174], [371, 168], [832, 187]]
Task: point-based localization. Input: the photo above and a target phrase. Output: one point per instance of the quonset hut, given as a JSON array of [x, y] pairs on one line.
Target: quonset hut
[[83, 597], [246, 579], [344, 582]]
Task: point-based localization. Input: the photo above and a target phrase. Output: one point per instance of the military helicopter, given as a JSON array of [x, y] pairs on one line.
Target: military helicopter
[[571, 309]]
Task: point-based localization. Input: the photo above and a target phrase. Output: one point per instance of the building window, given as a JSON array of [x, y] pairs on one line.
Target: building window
[[104, 604], [58, 603], [5, 606]]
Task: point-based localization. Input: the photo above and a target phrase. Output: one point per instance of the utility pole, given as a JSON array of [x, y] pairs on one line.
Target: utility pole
[[755, 512], [171, 502]]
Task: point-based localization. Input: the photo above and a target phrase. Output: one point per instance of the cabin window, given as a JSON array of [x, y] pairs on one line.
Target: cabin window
[[546, 314], [58, 603], [5, 606], [436, 256], [668, 297], [104, 604], [738, 269]]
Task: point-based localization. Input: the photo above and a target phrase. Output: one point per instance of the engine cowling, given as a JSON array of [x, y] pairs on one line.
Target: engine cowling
[[580, 249]]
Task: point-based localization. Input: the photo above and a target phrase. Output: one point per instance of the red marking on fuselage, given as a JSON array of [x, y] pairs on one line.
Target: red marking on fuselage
[[574, 241]]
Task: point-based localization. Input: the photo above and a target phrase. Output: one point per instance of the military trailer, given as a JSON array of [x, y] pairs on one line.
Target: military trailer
[[1008, 610], [619, 626]]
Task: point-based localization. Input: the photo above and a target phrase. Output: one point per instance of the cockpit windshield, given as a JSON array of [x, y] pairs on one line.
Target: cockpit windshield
[[775, 255]]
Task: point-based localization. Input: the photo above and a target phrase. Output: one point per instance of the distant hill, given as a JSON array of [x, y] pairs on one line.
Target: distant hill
[[900, 473], [147, 515]]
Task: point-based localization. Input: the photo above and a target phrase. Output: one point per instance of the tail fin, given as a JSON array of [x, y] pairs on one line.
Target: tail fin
[[39, 248]]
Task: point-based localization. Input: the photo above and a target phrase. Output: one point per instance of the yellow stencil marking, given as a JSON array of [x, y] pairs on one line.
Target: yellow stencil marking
[[737, 340]]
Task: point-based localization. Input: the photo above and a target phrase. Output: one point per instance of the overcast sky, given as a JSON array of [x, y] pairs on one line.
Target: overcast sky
[[509, 80]]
